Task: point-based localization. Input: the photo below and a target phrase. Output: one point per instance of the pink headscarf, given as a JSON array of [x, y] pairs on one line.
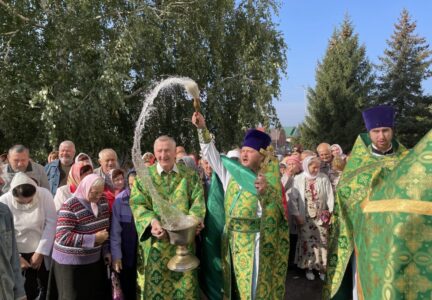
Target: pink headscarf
[[293, 159], [84, 187]]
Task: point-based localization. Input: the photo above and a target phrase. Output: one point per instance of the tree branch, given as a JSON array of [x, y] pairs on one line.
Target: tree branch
[[136, 92], [20, 16], [10, 32], [25, 19]]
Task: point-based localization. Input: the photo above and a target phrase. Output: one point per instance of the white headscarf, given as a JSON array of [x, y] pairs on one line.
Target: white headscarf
[[305, 164], [21, 178], [337, 146], [83, 154]]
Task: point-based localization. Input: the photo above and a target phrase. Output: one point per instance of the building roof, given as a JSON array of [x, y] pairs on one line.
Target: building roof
[[291, 131]]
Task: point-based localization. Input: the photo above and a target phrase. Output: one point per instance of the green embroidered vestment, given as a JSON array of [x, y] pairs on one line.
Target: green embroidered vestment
[[352, 229], [184, 190], [239, 239]]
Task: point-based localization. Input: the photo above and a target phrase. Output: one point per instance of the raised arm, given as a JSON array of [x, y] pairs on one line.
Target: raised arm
[[208, 149]]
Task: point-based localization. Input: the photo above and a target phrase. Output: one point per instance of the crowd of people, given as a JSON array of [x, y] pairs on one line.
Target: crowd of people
[[73, 231]]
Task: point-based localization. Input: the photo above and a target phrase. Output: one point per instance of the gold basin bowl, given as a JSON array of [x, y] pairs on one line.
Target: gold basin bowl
[[182, 234]]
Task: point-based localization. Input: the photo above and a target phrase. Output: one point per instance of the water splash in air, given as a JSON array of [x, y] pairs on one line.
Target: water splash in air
[[171, 216]]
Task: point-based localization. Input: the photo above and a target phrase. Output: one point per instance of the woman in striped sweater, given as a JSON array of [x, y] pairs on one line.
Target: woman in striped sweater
[[81, 242]]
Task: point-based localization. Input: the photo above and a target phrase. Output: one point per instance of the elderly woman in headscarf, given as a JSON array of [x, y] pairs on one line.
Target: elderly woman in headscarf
[[77, 172], [311, 202], [336, 149], [34, 216], [292, 168], [83, 159], [78, 271]]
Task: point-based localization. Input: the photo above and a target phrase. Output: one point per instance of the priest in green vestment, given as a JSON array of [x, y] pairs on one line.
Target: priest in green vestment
[[182, 187], [255, 238], [377, 232]]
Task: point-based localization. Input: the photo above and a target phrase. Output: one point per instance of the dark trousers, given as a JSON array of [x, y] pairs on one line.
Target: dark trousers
[[293, 245], [79, 282], [128, 283], [36, 281]]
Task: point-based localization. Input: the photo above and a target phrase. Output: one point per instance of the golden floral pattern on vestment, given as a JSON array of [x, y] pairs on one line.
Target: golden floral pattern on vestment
[[412, 282]]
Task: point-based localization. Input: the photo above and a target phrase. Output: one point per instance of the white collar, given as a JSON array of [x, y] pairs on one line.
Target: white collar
[[160, 170], [378, 154]]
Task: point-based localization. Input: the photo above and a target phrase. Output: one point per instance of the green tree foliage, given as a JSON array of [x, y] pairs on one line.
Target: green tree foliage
[[343, 83], [404, 65], [79, 70]]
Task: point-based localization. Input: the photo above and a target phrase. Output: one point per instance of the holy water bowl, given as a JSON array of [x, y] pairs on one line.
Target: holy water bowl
[[182, 234]]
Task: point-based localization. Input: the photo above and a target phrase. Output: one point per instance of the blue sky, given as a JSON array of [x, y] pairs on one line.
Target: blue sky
[[307, 26]]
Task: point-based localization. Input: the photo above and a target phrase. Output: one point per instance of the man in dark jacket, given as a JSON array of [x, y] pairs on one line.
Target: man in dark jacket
[[58, 170]]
